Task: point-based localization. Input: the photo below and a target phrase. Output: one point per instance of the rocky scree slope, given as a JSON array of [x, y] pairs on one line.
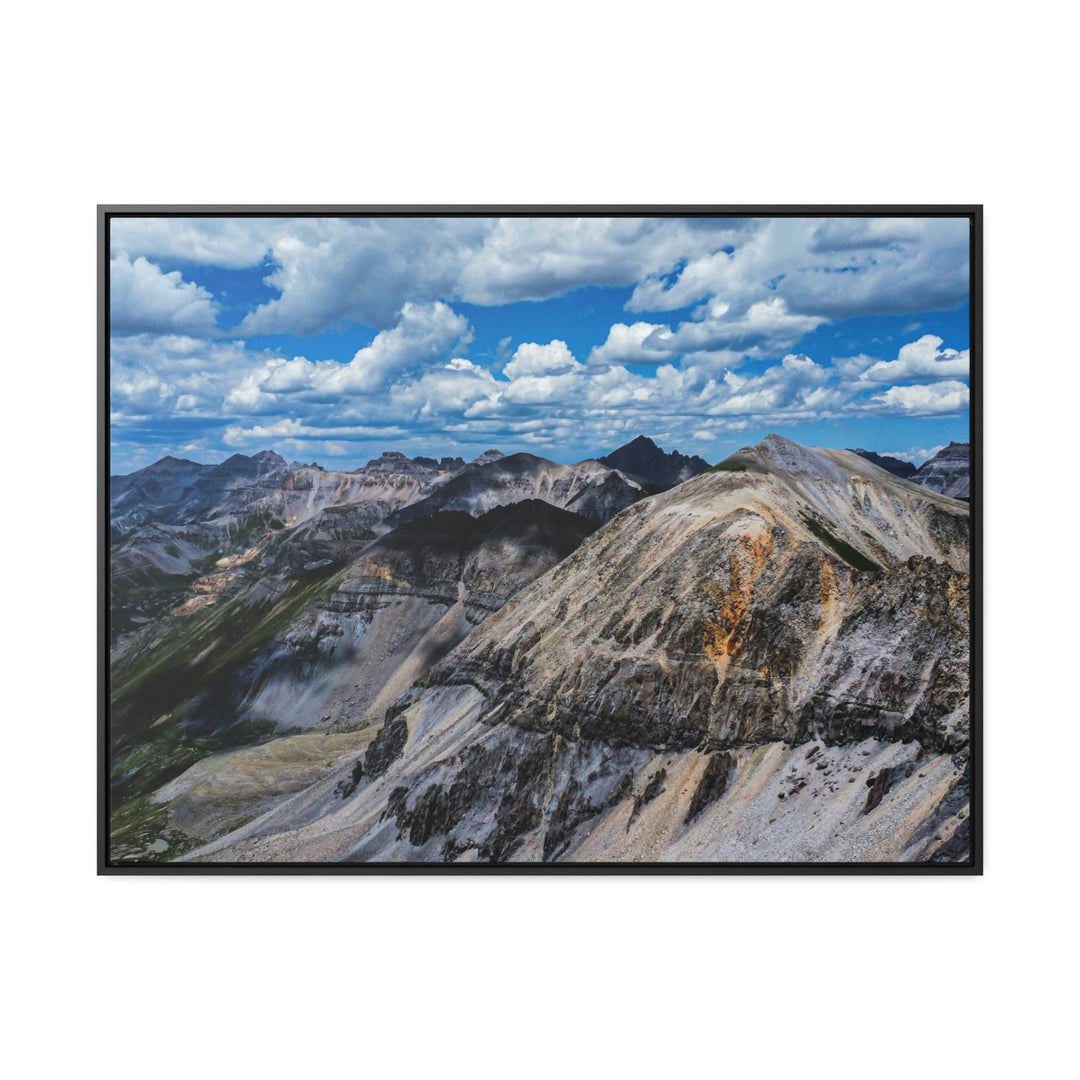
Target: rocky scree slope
[[767, 662]]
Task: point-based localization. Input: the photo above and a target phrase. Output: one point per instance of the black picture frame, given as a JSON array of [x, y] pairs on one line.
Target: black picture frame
[[973, 212]]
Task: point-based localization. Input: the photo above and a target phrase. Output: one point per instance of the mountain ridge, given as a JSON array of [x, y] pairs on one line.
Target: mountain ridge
[[769, 648]]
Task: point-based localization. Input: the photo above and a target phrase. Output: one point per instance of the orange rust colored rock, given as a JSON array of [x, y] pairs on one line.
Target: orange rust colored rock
[[725, 637]]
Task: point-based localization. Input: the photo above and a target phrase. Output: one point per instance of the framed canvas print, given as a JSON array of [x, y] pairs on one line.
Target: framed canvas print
[[540, 539]]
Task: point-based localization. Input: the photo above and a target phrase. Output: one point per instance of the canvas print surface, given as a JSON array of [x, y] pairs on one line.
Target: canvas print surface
[[539, 539]]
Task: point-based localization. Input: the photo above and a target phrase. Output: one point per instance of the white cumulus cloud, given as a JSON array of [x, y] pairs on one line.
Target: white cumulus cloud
[[920, 359], [530, 358], [143, 298], [925, 400], [327, 271]]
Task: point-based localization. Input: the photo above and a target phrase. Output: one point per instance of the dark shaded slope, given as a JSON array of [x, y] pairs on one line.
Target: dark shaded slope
[[643, 458]]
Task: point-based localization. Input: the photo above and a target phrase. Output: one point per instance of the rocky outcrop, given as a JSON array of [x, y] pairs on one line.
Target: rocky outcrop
[[385, 748], [714, 781], [395, 463]]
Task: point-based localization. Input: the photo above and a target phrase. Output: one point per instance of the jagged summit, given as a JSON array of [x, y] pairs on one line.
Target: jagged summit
[[487, 457], [263, 457], [642, 458], [165, 466]]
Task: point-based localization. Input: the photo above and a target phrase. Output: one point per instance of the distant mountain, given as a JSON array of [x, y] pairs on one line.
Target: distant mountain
[[948, 472], [642, 458], [904, 469], [393, 461], [173, 490]]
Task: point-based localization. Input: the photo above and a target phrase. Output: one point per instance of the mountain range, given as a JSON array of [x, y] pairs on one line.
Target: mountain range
[[638, 657]]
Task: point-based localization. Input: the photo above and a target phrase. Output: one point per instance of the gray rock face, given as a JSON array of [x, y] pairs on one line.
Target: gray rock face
[[771, 640], [948, 472]]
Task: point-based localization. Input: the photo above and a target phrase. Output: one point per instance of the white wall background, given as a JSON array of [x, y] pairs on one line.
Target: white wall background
[[561, 102]]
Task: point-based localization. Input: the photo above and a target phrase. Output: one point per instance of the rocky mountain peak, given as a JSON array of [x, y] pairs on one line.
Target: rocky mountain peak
[[261, 464], [170, 465], [792, 457], [641, 457], [487, 457]]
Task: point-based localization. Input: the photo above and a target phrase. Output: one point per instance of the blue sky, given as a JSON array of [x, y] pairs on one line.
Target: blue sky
[[333, 339]]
